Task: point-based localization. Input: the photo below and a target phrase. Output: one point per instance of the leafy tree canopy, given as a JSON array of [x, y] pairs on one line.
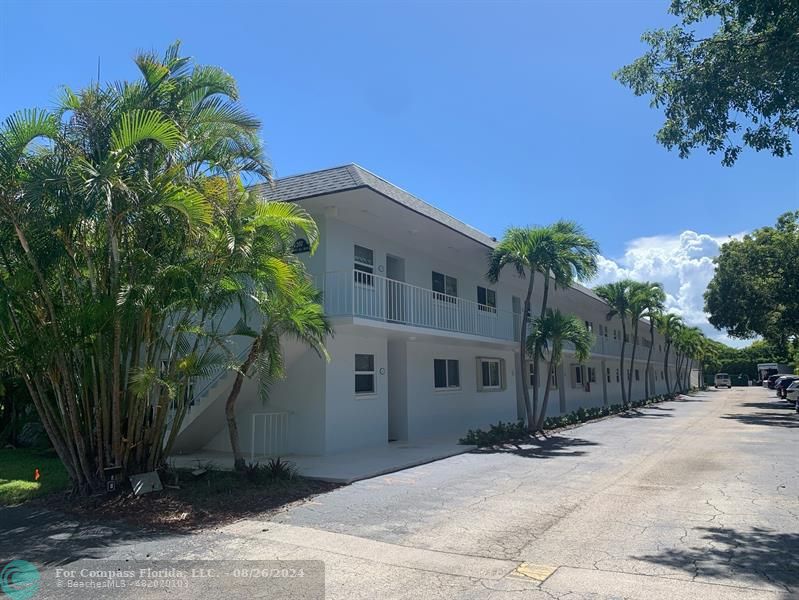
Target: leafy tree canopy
[[736, 87], [755, 289]]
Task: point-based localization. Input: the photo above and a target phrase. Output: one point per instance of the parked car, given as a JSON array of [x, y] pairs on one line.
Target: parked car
[[770, 381], [782, 384], [792, 393], [722, 379]]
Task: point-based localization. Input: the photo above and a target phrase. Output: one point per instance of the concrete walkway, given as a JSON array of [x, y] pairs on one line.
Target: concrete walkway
[[346, 467], [693, 499]]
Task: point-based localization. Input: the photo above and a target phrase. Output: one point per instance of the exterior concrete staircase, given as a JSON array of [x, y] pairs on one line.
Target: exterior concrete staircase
[[205, 417]]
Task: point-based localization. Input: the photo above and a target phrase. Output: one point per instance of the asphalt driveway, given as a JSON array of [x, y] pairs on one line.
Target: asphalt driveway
[[697, 498]]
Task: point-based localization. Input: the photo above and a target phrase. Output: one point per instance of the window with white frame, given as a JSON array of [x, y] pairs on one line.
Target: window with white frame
[[486, 299], [490, 373], [445, 288], [608, 374], [364, 373], [589, 325], [617, 376], [591, 375], [364, 266], [577, 375], [446, 374]]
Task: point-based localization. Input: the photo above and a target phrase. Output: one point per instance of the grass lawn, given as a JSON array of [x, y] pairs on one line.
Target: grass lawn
[[17, 468]]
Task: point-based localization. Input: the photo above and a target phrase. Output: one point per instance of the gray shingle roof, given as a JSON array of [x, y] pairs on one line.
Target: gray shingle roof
[[353, 177]]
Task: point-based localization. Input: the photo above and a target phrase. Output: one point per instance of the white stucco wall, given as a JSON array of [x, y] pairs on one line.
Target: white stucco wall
[[353, 420], [434, 412]]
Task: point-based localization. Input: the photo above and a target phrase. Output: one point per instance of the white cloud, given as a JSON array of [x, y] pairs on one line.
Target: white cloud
[[682, 263]]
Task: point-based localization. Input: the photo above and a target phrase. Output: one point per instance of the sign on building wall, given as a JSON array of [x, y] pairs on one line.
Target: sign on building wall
[[301, 246]]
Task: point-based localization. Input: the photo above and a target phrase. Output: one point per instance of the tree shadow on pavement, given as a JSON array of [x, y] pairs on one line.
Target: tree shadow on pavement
[[635, 413], [770, 405], [758, 555], [49, 537], [789, 419], [549, 447]]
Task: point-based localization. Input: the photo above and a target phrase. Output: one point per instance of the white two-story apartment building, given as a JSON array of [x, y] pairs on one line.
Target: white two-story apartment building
[[424, 347]]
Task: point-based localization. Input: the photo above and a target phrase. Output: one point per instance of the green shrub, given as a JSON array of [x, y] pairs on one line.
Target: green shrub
[[502, 433], [496, 434]]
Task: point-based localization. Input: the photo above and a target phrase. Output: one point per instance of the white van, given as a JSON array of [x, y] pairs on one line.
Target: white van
[[723, 379]]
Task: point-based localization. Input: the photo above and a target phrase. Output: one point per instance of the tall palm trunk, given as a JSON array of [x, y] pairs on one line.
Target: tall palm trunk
[[621, 360], [529, 409], [230, 406], [547, 389], [536, 354], [649, 355], [666, 367], [632, 362]]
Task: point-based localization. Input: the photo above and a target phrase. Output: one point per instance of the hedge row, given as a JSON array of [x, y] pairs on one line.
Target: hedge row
[[502, 433]]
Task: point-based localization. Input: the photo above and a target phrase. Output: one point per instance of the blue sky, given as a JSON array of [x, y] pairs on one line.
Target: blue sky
[[499, 113]]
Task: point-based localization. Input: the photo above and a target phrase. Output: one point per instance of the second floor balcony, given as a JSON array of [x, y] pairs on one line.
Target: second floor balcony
[[369, 296], [364, 295]]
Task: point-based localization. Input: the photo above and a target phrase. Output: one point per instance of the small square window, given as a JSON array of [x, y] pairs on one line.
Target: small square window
[[364, 373], [446, 374], [445, 288], [486, 299], [490, 373]]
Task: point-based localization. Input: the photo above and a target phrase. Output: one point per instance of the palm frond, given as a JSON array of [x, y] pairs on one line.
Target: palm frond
[[140, 125]]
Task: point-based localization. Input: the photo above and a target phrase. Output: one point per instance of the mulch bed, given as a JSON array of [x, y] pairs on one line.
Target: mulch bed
[[211, 500]]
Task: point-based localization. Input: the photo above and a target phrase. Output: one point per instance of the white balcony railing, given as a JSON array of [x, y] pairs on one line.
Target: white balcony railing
[[369, 296]]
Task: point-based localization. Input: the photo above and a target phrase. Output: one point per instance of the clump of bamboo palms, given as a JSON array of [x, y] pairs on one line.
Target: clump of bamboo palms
[[116, 268], [669, 326], [561, 252], [548, 334], [617, 296]]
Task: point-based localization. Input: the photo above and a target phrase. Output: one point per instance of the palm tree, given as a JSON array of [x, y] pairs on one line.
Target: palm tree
[[669, 326], [548, 334], [298, 315], [637, 293], [562, 252], [652, 298], [616, 296], [113, 271], [275, 297], [686, 343]]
